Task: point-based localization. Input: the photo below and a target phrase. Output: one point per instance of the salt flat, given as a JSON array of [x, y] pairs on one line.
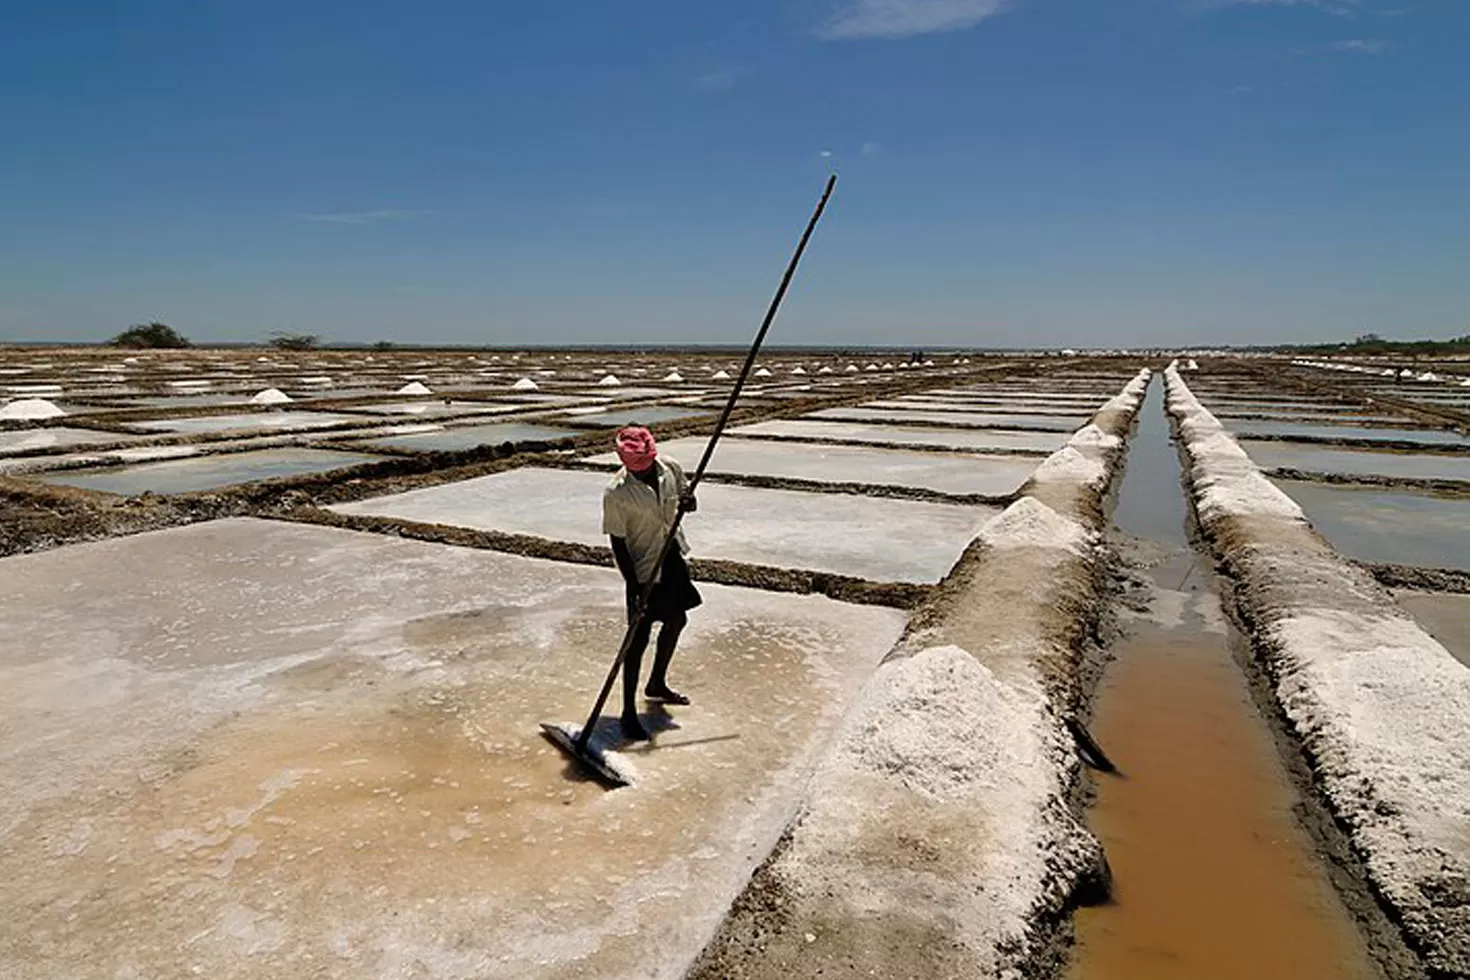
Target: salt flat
[[262, 750]]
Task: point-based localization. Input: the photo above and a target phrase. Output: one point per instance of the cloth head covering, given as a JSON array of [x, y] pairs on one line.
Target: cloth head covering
[[636, 448]]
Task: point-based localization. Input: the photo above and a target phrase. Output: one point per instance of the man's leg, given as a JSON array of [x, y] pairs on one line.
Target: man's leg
[[658, 681], [632, 665]]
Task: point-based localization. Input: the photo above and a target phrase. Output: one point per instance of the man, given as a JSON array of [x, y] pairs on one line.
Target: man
[[638, 508]]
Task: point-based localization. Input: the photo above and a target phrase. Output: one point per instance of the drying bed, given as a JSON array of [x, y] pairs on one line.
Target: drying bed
[[986, 475], [254, 749], [206, 472], [869, 537]]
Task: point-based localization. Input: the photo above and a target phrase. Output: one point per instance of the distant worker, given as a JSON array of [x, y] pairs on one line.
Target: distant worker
[[638, 508]]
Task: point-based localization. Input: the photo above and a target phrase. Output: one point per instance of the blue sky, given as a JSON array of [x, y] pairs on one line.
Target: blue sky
[[1013, 172]]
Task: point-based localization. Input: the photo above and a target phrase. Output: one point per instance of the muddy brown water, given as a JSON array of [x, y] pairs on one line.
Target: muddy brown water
[[1213, 876]]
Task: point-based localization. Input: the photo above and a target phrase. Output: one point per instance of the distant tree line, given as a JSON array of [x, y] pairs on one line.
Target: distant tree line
[[161, 336], [1371, 344], [152, 335]]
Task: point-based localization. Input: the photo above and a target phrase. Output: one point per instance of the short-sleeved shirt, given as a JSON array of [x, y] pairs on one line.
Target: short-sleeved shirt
[[633, 512]]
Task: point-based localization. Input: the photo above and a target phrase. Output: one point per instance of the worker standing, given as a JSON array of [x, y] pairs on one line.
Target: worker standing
[[638, 509]]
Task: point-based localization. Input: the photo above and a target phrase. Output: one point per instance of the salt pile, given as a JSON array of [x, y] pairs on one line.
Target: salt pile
[[673, 376], [609, 381], [270, 396], [525, 384], [851, 368], [762, 373], [1028, 523], [415, 388], [871, 367], [720, 376], [798, 370], [30, 408], [826, 369]]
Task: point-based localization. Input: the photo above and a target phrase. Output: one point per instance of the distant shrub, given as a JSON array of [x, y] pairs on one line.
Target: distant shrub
[[294, 341], [155, 334], [384, 345]]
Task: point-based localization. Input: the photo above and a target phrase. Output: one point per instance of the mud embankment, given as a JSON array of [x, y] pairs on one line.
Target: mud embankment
[[937, 837], [1380, 709]]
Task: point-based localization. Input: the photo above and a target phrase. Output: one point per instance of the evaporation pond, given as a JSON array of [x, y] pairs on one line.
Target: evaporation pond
[[1444, 616], [1246, 427], [870, 537], [250, 420], [1387, 526], [207, 472], [616, 415], [436, 409], [1327, 459], [1057, 423], [225, 734], [945, 438], [30, 440], [958, 473], [471, 436]]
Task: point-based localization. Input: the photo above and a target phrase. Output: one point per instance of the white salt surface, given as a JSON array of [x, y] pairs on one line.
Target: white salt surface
[[898, 416], [30, 440], [959, 473], [958, 439], [243, 746], [31, 409], [874, 538], [253, 420]]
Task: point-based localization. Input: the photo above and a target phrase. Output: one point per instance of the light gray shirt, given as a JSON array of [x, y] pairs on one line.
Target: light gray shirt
[[633, 512]]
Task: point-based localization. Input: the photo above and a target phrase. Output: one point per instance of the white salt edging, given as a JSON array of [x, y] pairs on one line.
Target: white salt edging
[[1381, 708]]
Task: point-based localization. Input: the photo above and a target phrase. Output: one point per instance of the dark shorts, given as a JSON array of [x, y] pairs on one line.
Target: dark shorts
[[674, 594]]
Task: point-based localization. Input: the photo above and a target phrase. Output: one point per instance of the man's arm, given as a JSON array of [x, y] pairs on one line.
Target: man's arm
[[624, 559]]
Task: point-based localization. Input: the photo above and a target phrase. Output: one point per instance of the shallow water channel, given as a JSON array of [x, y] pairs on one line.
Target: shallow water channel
[[1213, 876]]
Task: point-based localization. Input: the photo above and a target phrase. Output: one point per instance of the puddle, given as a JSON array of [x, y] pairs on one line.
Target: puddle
[[1213, 877], [987, 475], [1388, 526], [472, 436], [208, 472], [1444, 616], [1325, 459], [1246, 427]]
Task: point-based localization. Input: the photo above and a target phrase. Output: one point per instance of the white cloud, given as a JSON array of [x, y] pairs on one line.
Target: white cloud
[[1341, 8], [364, 217], [1361, 45], [718, 80], [905, 18]]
